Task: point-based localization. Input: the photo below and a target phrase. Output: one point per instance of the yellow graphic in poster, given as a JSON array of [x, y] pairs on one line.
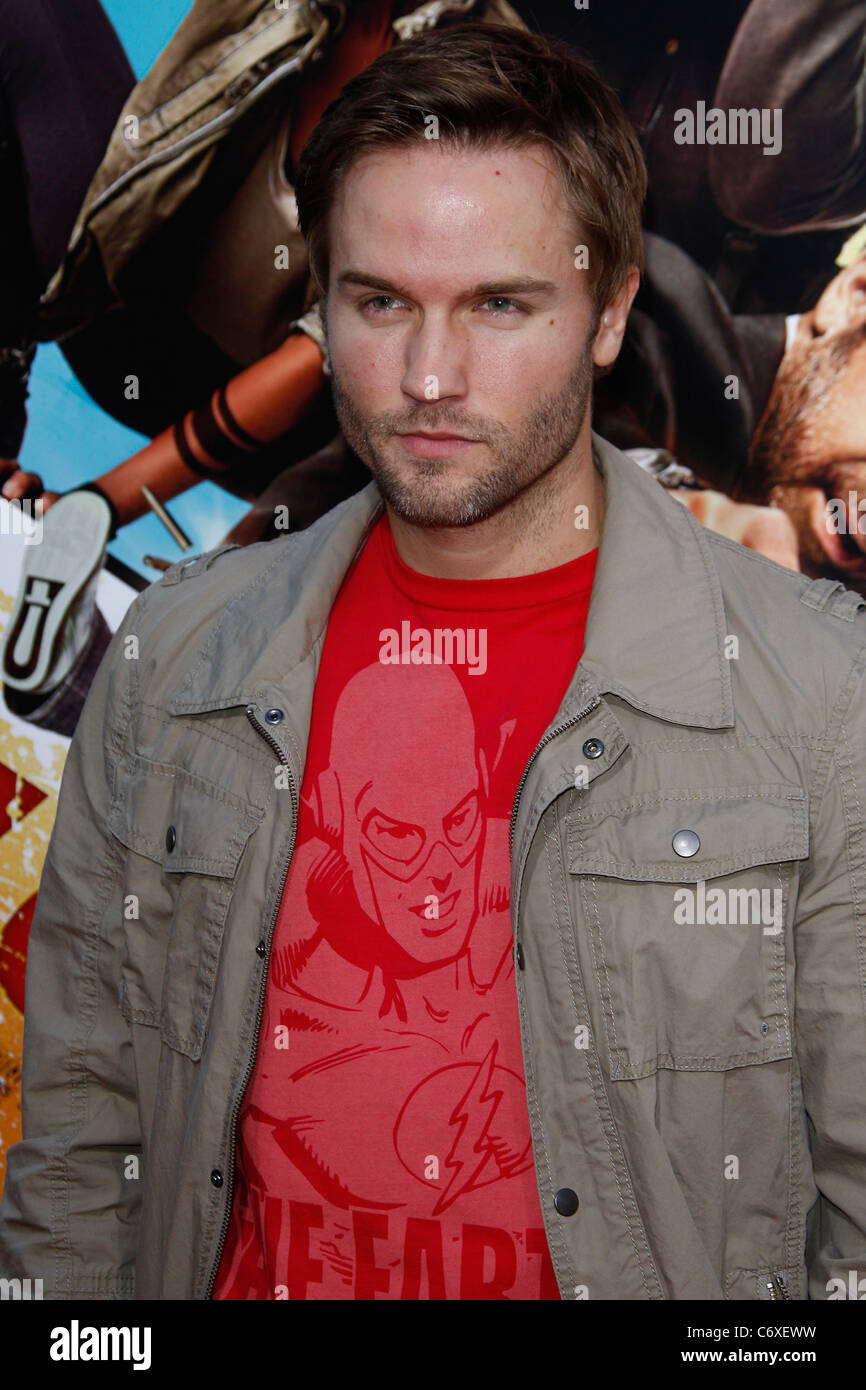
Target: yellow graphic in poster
[[32, 759], [31, 764]]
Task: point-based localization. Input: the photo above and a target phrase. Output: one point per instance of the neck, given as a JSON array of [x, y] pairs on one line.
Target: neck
[[557, 518]]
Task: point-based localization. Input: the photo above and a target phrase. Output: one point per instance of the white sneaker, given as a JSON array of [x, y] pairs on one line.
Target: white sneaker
[[52, 619]]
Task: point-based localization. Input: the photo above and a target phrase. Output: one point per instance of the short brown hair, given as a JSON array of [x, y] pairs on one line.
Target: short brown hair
[[488, 85]]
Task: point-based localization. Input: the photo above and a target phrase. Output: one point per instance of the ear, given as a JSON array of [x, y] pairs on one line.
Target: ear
[[614, 317], [843, 302]]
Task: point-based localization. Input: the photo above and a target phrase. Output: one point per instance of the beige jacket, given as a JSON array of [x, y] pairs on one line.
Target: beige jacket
[[699, 1087]]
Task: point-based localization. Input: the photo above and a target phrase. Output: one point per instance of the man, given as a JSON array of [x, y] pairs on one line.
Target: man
[[765, 408], [809, 455], [334, 801], [185, 262]]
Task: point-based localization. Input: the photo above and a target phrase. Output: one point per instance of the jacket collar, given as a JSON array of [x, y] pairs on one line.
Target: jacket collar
[[655, 631], [654, 634]]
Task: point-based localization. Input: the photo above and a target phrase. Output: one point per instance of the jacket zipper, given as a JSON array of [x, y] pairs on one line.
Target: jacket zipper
[[250, 713], [551, 734], [777, 1281]]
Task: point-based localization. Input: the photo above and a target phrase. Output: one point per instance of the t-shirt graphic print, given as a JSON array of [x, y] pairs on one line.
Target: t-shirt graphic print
[[383, 1146]]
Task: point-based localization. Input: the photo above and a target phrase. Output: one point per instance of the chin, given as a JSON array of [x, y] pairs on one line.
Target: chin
[[419, 515], [423, 506]]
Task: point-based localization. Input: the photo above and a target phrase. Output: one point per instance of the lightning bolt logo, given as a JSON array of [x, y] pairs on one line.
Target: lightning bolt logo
[[472, 1148]]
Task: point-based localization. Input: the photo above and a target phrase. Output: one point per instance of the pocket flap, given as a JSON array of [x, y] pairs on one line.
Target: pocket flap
[[210, 826], [737, 827]]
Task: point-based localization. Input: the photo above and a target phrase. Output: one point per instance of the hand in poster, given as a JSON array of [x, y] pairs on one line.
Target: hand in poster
[[768, 530], [17, 485]]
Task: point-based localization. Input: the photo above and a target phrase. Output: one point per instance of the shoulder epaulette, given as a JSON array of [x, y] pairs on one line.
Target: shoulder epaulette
[[188, 569], [832, 596]]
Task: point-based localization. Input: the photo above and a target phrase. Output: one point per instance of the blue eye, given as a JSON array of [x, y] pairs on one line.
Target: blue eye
[[384, 301], [502, 299], [367, 303]]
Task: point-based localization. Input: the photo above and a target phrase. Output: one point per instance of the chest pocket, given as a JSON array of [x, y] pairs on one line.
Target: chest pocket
[[186, 838], [688, 950]]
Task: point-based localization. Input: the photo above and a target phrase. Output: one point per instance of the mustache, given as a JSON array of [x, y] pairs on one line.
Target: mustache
[[468, 430], [802, 480], [832, 482]]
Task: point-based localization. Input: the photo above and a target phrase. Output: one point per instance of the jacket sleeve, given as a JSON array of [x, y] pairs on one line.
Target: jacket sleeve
[[830, 1000], [311, 324], [69, 1214]]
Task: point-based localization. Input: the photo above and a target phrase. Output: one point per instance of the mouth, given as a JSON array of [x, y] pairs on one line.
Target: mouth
[[429, 444], [446, 909], [844, 548]]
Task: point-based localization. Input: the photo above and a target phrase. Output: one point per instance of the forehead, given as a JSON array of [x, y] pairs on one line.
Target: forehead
[[451, 211]]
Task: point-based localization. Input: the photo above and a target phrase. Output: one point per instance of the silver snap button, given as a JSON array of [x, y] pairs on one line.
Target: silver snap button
[[686, 843], [593, 748], [274, 716]]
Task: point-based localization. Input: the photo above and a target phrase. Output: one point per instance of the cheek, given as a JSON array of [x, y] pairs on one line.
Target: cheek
[[846, 420], [363, 363], [515, 372]]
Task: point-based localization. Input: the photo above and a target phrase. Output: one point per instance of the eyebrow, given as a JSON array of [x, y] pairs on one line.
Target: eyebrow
[[519, 284]]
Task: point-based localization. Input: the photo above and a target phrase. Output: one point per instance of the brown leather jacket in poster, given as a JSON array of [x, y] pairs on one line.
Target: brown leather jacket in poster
[[220, 100]]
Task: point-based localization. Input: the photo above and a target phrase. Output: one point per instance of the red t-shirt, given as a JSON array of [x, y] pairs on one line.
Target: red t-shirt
[[383, 1142]]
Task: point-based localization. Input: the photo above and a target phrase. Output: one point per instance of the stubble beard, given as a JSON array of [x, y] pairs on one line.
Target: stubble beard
[[785, 461], [432, 492], [783, 449]]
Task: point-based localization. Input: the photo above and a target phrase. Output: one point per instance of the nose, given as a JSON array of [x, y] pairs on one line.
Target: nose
[[435, 362]]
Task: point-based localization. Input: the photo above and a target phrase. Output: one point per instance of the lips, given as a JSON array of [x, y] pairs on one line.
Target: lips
[[446, 909], [423, 434], [435, 446], [843, 548]]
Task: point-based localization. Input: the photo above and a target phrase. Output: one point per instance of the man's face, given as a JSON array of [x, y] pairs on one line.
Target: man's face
[[811, 446], [454, 305]]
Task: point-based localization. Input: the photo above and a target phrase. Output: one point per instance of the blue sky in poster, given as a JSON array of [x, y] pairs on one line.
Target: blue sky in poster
[[69, 438], [145, 29]]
